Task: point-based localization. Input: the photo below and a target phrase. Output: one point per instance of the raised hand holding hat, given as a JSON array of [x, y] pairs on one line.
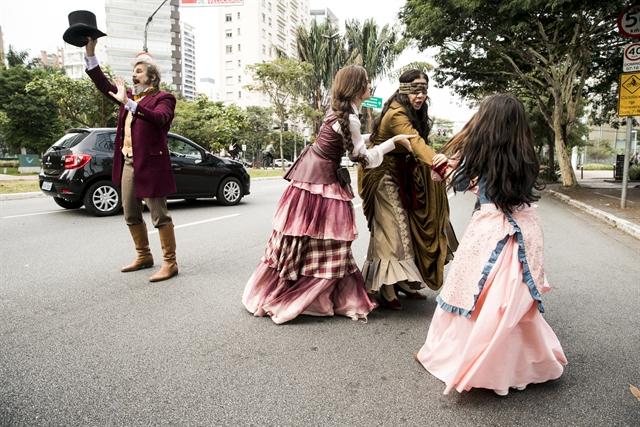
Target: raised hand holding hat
[[82, 24]]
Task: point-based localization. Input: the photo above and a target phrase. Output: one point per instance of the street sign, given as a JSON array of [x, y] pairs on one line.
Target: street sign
[[629, 22], [198, 3], [631, 57], [372, 102], [629, 95]]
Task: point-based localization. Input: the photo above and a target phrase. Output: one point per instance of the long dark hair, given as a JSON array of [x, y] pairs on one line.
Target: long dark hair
[[497, 146], [419, 118], [350, 83]]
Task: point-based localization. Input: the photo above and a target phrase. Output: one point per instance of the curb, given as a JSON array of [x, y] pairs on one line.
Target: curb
[[19, 196], [619, 223], [37, 194]]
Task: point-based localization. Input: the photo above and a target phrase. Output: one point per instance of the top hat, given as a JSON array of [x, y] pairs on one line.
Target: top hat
[[82, 24]]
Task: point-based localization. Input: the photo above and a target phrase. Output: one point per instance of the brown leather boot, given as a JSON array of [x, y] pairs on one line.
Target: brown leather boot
[[169, 265], [141, 240]]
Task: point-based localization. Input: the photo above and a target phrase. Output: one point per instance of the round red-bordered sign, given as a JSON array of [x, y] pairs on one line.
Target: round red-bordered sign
[[629, 22]]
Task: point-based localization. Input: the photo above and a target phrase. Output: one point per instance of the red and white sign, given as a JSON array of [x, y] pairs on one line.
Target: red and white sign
[[629, 22], [631, 57], [202, 3]]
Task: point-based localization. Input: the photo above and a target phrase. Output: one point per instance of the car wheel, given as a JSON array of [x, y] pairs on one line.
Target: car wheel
[[68, 204], [230, 191], [102, 199]]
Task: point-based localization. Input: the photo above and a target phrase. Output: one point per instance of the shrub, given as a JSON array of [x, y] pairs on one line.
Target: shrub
[[634, 173], [9, 163]]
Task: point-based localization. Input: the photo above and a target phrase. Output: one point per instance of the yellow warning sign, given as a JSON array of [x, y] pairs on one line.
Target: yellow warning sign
[[629, 95]]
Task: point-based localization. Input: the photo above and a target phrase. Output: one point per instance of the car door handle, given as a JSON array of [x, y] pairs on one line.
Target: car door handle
[[176, 166]]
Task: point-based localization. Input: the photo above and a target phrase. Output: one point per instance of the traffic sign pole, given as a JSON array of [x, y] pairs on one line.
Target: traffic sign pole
[[625, 167]]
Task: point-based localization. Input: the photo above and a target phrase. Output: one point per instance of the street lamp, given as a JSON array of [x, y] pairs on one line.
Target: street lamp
[[146, 26]]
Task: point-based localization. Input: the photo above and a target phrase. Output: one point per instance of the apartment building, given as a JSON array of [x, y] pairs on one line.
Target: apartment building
[[253, 33], [188, 44]]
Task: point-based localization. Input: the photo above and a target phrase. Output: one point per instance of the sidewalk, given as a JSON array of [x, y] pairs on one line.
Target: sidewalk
[[599, 195]]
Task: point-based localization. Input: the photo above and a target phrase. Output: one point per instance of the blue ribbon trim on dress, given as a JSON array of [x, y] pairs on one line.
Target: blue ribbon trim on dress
[[526, 276]]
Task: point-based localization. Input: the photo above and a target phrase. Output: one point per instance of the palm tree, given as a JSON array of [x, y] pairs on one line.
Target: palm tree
[[373, 48], [320, 46]]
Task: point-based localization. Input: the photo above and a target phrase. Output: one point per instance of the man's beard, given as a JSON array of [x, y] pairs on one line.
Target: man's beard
[[138, 88]]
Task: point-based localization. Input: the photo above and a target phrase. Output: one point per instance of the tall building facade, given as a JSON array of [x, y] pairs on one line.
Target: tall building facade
[[253, 33], [188, 44], [125, 23], [323, 15]]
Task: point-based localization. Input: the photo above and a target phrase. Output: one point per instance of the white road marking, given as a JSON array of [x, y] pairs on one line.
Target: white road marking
[[189, 224], [31, 214]]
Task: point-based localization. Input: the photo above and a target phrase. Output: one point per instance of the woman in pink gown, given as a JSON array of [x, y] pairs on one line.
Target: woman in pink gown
[[488, 330], [308, 267]]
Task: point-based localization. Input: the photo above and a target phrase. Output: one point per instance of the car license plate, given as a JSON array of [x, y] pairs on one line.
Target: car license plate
[[46, 185]]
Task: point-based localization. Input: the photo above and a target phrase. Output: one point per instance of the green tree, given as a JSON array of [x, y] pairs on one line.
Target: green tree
[[600, 150], [210, 124], [281, 81], [376, 49], [78, 101], [549, 50], [257, 133], [321, 47], [31, 120]]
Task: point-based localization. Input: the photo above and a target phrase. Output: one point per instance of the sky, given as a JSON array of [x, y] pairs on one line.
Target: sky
[[37, 25]]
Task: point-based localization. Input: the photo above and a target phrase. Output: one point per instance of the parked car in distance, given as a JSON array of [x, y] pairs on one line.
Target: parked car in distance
[[278, 163], [76, 172], [346, 162]]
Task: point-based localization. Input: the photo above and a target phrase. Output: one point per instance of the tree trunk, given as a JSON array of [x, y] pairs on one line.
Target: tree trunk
[[281, 149], [566, 171]]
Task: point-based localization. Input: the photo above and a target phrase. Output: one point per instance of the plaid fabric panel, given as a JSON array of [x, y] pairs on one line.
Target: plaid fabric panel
[[295, 256]]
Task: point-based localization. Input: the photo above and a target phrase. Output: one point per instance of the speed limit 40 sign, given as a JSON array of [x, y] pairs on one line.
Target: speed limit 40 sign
[[629, 22], [631, 57]]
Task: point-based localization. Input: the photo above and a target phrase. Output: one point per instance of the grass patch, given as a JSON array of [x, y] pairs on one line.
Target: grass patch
[[263, 173], [14, 171], [7, 187], [597, 166]]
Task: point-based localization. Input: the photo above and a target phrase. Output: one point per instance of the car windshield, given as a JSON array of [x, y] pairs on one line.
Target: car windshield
[[70, 139]]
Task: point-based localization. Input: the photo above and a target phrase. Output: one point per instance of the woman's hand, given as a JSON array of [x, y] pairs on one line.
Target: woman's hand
[[403, 141], [121, 95], [439, 159]]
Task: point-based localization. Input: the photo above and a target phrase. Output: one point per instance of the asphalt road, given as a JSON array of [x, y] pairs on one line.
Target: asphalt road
[[83, 344]]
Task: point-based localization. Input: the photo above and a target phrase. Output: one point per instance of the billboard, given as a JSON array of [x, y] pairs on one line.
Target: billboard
[[199, 3]]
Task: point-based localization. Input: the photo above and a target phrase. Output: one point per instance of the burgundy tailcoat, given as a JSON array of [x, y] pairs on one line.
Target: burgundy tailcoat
[[150, 125]]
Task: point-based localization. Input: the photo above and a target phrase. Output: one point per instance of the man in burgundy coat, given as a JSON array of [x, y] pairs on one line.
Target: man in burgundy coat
[[141, 163]]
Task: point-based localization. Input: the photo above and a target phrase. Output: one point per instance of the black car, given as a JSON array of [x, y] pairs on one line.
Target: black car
[[76, 171]]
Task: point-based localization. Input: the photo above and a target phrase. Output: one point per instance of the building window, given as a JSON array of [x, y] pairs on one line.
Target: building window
[[228, 80], [270, 24], [238, 16], [239, 94], [228, 34], [228, 17], [228, 48], [229, 95], [228, 65], [264, 18], [238, 47], [239, 79], [239, 63], [238, 31], [264, 49]]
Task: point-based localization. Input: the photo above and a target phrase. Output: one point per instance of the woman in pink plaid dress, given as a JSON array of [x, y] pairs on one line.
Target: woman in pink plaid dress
[[308, 267]]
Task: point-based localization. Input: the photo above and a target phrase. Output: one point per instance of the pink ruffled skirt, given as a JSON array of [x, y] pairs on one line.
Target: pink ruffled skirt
[[308, 267], [505, 343]]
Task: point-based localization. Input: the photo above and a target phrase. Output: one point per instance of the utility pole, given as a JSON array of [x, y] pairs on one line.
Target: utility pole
[[146, 26]]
